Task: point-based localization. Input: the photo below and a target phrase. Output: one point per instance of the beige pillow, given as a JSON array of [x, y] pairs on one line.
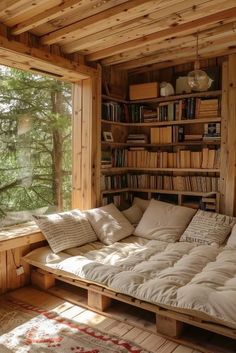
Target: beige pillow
[[109, 223], [232, 238], [133, 214], [164, 221], [141, 203], [66, 230], [208, 228]]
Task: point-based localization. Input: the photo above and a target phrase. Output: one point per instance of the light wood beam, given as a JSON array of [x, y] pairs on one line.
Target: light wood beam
[[24, 9], [207, 36], [33, 58], [62, 9], [169, 15], [122, 13], [6, 4], [219, 49], [184, 29]]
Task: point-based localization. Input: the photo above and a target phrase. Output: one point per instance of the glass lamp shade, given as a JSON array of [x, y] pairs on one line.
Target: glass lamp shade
[[198, 80]]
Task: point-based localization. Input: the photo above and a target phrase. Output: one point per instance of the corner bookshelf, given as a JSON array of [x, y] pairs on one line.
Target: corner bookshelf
[[185, 169]]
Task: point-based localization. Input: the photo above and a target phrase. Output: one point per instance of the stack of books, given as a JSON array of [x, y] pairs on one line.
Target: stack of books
[[106, 161], [137, 138], [207, 108]]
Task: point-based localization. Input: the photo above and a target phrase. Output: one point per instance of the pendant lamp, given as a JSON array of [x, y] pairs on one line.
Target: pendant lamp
[[198, 79]]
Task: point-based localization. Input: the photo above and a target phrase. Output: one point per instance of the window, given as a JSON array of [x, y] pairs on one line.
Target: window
[[35, 145]]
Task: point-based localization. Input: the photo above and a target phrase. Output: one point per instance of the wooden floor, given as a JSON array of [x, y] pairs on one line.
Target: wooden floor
[[141, 336], [124, 321]]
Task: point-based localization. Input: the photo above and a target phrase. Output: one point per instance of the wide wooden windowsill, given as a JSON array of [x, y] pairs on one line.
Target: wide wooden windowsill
[[20, 235]]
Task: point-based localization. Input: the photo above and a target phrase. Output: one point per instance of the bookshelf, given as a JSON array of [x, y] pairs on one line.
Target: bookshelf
[[178, 155]]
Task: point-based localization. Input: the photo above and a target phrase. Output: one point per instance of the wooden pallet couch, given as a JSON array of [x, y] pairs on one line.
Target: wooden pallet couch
[[180, 282]]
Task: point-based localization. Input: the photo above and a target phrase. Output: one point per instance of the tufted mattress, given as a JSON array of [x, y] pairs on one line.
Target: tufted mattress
[[196, 280]]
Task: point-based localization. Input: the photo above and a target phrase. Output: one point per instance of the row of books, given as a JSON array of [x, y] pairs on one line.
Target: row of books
[[113, 111], [109, 182], [206, 159], [187, 108], [178, 183], [167, 134], [137, 138], [116, 199]]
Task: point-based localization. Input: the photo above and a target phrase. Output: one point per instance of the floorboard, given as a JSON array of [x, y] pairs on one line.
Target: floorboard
[[124, 321]]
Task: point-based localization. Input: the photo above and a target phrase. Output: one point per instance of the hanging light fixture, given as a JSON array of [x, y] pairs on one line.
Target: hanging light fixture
[[198, 79]]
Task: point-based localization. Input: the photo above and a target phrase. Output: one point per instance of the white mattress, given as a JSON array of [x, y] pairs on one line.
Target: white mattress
[[198, 280]]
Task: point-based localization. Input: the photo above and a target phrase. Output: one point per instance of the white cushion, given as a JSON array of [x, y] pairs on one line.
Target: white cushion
[[109, 223], [164, 221], [232, 238], [133, 214], [208, 228], [141, 203], [66, 230]]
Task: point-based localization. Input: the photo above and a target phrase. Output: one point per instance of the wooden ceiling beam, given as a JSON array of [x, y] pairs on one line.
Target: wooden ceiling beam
[[37, 60], [184, 29], [24, 9], [105, 19], [171, 13], [210, 34], [216, 49], [6, 4], [62, 9]]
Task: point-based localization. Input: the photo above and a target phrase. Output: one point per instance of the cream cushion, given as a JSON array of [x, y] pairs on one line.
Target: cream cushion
[[109, 223], [141, 203], [133, 214], [195, 280], [232, 238], [208, 228], [66, 230], [164, 221]]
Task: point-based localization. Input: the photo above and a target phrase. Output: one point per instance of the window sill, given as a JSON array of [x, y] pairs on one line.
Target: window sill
[[20, 235]]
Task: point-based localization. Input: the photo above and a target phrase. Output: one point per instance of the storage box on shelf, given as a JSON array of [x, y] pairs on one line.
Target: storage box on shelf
[[163, 146]]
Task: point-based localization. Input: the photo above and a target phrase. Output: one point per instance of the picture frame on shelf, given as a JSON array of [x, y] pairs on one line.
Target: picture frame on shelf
[[108, 137]]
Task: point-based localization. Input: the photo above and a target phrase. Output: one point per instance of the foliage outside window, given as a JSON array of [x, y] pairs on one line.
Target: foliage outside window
[[35, 145]]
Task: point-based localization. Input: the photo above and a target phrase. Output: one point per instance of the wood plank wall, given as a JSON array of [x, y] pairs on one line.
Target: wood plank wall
[[9, 260]]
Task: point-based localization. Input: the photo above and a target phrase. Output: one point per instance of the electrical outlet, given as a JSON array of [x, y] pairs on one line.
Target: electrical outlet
[[20, 270]]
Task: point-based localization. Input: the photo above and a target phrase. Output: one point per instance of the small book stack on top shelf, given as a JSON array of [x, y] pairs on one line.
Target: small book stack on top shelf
[[207, 108], [137, 139]]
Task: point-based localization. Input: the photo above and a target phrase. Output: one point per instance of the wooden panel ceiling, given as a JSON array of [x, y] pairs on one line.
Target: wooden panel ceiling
[[127, 34]]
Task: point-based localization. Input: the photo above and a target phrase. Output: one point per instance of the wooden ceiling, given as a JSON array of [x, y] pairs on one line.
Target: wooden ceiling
[[127, 34]]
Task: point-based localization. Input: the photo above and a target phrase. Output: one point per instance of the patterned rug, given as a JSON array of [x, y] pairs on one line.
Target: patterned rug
[[28, 329]]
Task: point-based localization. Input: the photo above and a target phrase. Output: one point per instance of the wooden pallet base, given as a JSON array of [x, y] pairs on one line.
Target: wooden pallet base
[[168, 323]]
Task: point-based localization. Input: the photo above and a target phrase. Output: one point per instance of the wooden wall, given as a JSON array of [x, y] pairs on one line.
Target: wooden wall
[[13, 245]]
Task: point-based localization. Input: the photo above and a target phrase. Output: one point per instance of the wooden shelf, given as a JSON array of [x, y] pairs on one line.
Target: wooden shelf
[[161, 191], [166, 123], [175, 192], [165, 99], [179, 96], [184, 143], [114, 191], [129, 169], [115, 99]]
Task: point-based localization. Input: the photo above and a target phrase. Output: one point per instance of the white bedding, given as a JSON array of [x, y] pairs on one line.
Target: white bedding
[[198, 280]]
